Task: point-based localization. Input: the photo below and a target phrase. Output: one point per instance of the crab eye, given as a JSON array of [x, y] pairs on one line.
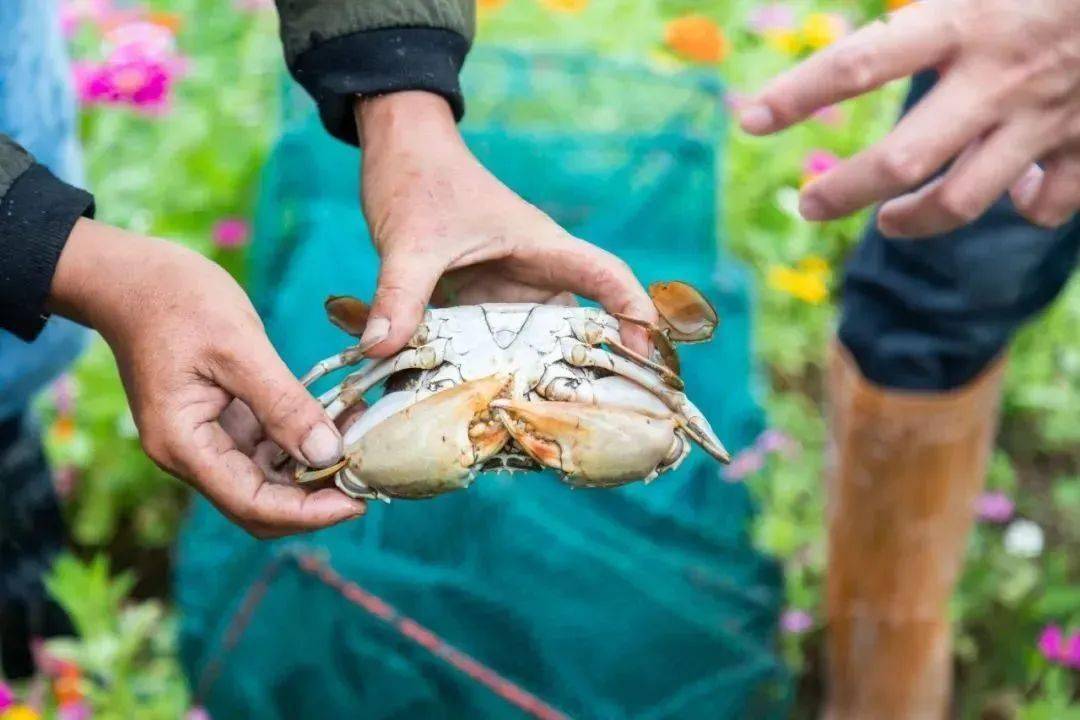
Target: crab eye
[[437, 385], [563, 389]]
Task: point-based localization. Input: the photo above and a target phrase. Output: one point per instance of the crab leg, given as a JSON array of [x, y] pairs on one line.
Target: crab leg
[[668, 375], [696, 426], [351, 356], [659, 338]]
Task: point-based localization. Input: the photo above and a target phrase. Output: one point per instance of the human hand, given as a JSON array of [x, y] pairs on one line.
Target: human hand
[[187, 341], [1008, 96], [444, 226]]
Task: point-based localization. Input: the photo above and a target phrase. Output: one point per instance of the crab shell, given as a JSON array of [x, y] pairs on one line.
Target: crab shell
[[515, 387]]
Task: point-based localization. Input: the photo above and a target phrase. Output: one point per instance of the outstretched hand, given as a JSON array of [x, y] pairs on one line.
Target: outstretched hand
[[447, 230], [1008, 97], [188, 341]]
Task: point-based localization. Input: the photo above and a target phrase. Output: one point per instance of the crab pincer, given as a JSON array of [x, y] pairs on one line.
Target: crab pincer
[[576, 439], [427, 448]]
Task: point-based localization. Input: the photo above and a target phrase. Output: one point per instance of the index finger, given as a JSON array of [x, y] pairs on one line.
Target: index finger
[[233, 483], [914, 38]]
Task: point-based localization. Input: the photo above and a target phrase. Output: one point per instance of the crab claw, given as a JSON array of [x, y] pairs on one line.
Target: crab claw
[[576, 438], [685, 313], [430, 447]]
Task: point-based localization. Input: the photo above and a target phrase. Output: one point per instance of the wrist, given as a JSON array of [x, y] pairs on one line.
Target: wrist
[[405, 116]]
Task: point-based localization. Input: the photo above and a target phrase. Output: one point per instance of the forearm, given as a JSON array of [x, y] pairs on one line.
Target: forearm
[[340, 49], [37, 214]]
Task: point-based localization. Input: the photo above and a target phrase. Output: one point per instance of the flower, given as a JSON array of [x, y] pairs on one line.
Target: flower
[[197, 713], [822, 29], [7, 696], [744, 464], [1024, 539], [565, 6], [892, 5], [141, 40], [807, 282], [994, 507], [788, 42], [1051, 643], [796, 622], [230, 233], [770, 18], [818, 162], [67, 687], [73, 13], [255, 5], [65, 480], [1070, 653], [20, 712], [697, 38], [777, 441], [77, 710], [486, 7]]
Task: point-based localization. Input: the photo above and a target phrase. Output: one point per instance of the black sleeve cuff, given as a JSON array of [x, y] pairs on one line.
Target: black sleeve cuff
[[375, 62], [37, 215]]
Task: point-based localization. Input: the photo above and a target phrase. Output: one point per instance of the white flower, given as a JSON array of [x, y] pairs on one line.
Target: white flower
[[1023, 538]]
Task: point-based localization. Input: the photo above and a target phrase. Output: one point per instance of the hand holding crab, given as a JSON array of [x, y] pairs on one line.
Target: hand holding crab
[[517, 386]]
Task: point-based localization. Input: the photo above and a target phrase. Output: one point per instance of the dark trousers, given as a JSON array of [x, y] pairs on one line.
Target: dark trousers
[[31, 534], [931, 314]]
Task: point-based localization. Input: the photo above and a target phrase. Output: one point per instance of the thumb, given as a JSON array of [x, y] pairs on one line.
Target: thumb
[[406, 281], [285, 409]]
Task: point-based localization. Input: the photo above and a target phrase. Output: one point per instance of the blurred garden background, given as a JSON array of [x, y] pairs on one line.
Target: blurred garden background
[[181, 102]]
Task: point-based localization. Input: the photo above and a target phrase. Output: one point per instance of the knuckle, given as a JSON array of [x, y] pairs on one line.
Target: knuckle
[[854, 68], [959, 205], [901, 167]]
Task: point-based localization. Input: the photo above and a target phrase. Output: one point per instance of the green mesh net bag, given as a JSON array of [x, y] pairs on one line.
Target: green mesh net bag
[[518, 597]]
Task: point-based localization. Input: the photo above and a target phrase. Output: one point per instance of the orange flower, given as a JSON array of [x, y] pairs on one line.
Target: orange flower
[[63, 429], [168, 20], [892, 5], [565, 6], [489, 6], [697, 38]]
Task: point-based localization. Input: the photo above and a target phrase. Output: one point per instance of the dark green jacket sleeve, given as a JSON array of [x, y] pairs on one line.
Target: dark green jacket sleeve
[[37, 213], [338, 49]]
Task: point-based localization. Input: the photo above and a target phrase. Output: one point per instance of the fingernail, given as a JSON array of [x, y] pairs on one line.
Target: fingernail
[[811, 208], [322, 447], [1023, 193], [756, 118], [375, 332]]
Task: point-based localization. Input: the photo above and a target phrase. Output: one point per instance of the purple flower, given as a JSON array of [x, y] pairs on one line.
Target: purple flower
[[1070, 654], [197, 713], [994, 507], [777, 441], [819, 161], [7, 696], [231, 232], [77, 710], [771, 18], [746, 463], [1052, 643], [796, 622]]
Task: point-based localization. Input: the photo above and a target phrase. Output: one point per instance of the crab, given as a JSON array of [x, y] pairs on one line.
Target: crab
[[515, 387]]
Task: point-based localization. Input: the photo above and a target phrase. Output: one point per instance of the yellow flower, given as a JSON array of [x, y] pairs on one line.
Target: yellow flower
[[821, 29], [786, 41], [20, 712], [565, 6], [487, 7], [697, 38], [807, 282]]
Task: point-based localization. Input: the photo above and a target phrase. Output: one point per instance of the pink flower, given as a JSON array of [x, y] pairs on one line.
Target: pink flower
[[77, 710], [771, 18], [141, 40], [7, 696], [744, 464], [1052, 643], [197, 713], [818, 162], [1070, 654], [231, 233], [994, 507], [63, 395], [796, 622], [74, 13], [777, 441]]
